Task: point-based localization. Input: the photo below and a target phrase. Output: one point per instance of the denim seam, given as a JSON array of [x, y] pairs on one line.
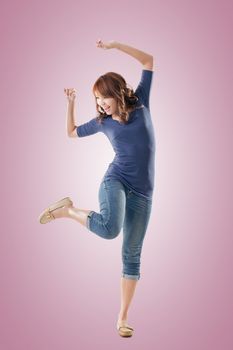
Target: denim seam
[[126, 275], [131, 188], [107, 200], [88, 220]]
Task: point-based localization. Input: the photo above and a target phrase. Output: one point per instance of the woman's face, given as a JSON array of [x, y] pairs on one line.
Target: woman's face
[[108, 104]]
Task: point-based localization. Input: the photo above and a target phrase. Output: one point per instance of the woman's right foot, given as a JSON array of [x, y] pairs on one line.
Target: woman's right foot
[[61, 212], [57, 210]]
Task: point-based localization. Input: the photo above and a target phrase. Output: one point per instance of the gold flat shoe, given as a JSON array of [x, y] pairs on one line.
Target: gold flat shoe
[[124, 330], [47, 216]]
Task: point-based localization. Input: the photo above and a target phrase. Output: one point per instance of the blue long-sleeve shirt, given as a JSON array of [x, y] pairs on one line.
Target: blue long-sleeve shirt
[[133, 143]]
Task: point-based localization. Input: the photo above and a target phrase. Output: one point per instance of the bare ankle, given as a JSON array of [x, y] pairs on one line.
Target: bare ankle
[[122, 316]]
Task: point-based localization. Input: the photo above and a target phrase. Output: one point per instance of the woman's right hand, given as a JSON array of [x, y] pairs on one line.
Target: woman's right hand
[[71, 94]]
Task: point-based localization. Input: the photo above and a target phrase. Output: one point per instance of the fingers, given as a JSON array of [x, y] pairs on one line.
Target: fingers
[[99, 43], [71, 92], [104, 45]]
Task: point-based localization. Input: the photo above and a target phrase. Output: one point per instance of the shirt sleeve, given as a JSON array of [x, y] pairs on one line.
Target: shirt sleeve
[[89, 128], [143, 89]]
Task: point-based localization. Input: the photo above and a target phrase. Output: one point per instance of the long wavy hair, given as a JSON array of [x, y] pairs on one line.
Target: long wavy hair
[[114, 85]]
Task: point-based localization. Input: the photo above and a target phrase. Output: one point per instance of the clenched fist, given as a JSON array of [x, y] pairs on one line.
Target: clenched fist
[[70, 93], [105, 45]]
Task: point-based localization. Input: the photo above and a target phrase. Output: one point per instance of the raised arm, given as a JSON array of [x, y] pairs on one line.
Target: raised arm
[[89, 128], [144, 58], [71, 112]]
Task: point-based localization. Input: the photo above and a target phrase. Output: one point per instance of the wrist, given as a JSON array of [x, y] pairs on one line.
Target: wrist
[[115, 44], [70, 102]]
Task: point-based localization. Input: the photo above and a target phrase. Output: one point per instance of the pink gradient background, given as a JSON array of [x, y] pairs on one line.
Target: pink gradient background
[[60, 283]]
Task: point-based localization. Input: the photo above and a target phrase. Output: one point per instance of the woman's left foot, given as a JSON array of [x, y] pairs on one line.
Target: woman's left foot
[[124, 330]]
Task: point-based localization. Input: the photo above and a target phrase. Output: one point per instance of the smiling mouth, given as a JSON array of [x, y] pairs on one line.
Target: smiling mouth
[[107, 109]]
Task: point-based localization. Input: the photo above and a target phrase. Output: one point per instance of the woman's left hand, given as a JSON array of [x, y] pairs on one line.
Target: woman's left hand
[[105, 45]]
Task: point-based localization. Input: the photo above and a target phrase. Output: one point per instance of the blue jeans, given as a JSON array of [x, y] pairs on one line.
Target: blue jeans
[[121, 207]]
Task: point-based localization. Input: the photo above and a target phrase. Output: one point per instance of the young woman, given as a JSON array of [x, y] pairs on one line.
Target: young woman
[[126, 189]]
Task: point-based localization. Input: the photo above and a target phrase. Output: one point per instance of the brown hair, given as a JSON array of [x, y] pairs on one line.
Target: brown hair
[[114, 85]]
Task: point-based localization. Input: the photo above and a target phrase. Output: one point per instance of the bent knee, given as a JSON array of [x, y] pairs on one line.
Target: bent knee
[[113, 232]]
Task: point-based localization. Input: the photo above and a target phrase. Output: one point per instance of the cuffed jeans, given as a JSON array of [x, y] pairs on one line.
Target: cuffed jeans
[[121, 207]]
